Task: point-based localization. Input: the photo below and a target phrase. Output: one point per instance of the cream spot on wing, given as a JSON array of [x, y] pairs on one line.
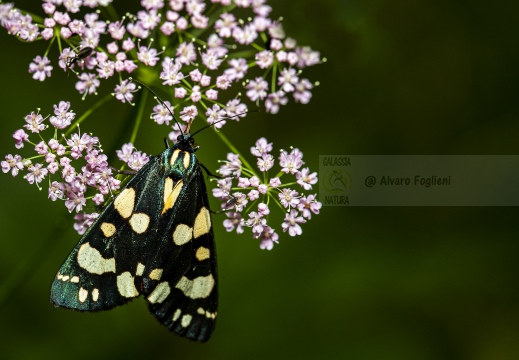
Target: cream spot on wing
[[108, 229], [168, 189], [126, 286], [202, 253], [65, 278], [201, 311], [197, 288], [186, 160], [91, 260], [74, 279], [186, 320], [140, 269], [82, 294], [172, 198], [156, 274], [59, 276], [182, 234], [139, 222], [202, 223], [160, 293], [174, 156], [176, 315], [125, 202], [210, 315], [95, 294]]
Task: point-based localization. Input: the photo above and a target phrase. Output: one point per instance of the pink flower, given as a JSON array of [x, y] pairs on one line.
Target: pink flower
[[124, 91], [12, 164], [189, 113], [274, 100], [63, 116], [40, 68], [36, 174], [305, 179], [291, 223], [34, 122], [257, 89]]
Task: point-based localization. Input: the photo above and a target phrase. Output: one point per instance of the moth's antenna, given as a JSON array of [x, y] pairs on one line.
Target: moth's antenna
[[223, 119], [159, 100]]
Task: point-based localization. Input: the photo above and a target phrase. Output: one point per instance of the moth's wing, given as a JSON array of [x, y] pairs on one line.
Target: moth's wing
[[155, 239], [185, 298], [100, 272]]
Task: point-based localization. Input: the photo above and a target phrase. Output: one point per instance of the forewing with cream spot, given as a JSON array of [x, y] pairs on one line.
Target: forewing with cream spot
[[195, 287], [156, 240], [102, 271]]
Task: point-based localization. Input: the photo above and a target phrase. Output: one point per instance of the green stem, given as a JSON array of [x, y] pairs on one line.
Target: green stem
[[234, 150], [140, 112], [34, 157], [287, 184], [49, 46], [35, 18], [242, 54], [257, 47], [278, 203], [112, 12], [274, 70], [280, 174], [87, 114], [58, 37]]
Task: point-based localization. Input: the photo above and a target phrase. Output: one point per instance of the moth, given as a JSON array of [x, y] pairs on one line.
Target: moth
[[154, 239]]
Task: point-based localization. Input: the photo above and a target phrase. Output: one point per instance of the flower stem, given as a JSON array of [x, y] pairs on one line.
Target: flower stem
[[234, 150], [87, 114], [140, 112]]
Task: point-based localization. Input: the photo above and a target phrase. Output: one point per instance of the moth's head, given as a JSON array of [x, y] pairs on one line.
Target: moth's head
[[186, 142]]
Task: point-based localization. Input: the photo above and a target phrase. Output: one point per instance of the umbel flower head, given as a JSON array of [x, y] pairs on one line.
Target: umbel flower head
[[248, 196], [207, 54], [73, 166], [209, 59]]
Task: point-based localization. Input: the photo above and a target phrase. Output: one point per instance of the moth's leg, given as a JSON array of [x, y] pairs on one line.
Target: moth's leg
[[210, 173]]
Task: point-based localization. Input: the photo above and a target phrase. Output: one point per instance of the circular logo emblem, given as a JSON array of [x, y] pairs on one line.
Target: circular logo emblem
[[337, 181]]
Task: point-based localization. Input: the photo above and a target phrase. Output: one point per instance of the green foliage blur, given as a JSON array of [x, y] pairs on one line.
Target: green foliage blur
[[377, 283]]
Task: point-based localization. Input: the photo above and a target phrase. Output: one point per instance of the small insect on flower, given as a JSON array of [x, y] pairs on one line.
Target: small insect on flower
[[82, 54]]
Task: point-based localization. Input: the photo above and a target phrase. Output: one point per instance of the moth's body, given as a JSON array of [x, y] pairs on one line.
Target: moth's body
[[155, 239]]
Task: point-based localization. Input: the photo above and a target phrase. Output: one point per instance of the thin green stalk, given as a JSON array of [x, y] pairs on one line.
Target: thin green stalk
[[112, 12], [257, 47], [87, 114], [140, 112], [279, 204], [274, 70], [234, 150], [49, 46], [58, 37], [242, 54]]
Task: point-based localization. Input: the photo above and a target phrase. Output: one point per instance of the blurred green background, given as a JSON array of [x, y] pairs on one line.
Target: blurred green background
[[402, 77]]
